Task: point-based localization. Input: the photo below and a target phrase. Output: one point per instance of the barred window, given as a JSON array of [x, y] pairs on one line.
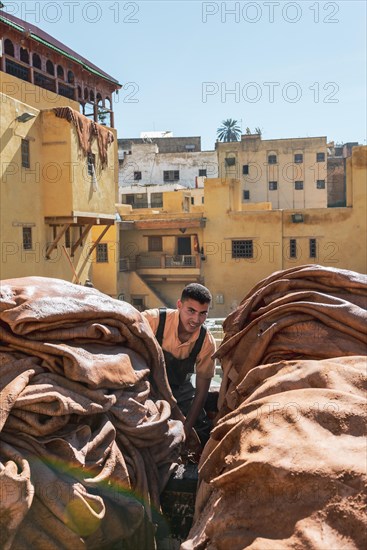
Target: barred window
[[298, 185], [242, 249], [298, 158], [25, 153], [155, 244], [273, 185], [246, 195], [102, 253], [292, 248], [245, 169], [27, 238], [320, 184], [91, 163], [313, 249], [272, 159], [137, 175], [202, 172], [320, 157], [171, 175]]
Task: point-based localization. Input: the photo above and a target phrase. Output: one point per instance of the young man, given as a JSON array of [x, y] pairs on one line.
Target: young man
[[187, 346]]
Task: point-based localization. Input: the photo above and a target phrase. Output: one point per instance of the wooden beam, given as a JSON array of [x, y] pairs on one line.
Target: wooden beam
[[53, 245], [99, 239], [82, 236], [169, 224]]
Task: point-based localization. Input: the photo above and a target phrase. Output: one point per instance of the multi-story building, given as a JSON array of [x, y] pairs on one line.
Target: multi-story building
[[288, 173], [59, 167], [163, 164]]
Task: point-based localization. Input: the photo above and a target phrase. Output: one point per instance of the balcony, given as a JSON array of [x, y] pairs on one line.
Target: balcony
[[160, 262]]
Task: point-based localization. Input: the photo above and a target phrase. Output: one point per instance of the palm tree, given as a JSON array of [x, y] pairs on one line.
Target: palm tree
[[229, 131]]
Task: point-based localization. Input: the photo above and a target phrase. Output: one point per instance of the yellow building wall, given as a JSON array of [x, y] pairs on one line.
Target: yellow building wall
[[104, 275], [228, 279], [68, 188], [46, 188]]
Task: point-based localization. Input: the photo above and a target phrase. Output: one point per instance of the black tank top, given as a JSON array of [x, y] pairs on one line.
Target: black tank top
[[179, 371]]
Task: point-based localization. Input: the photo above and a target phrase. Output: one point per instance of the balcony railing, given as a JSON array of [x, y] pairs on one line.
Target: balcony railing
[[162, 261]]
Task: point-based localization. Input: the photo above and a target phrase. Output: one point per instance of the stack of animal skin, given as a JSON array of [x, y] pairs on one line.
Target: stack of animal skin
[[285, 467], [87, 438]]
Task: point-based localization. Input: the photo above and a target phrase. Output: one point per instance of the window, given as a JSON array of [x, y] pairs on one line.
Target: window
[[202, 200], [91, 163], [70, 77], [320, 184], [273, 185], [102, 253], [60, 72], [246, 195], [15, 69], [128, 199], [242, 249], [245, 169], [298, 185], [27, 238], [9, 47], [190, 147], [230, 161], [298, 158], [156, 200], [292, 248], [25, 153], [155, 244], [313, 250], [202, 172], [272, 159], [24, 55], [137, 176], [36, 61], [192, 200], [171, 175], [320, 157], [50, 69]]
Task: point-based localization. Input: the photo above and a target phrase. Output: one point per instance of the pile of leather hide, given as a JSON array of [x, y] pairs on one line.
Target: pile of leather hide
[[285, 467], [87, 439]]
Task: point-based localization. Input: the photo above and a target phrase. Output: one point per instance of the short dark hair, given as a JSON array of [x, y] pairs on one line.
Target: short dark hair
[[197, 292]]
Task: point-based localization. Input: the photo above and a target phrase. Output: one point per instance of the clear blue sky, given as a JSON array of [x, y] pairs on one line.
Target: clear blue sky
[[294, 69]]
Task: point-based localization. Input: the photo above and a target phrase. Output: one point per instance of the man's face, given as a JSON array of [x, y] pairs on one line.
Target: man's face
[[192, 314]]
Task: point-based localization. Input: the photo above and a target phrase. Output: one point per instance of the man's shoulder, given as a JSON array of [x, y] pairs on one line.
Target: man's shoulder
[[155, 312]]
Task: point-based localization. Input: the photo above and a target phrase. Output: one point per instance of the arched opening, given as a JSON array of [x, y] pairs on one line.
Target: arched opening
[[60, 72], [36, 61], [70, 77], [9, 47], [91, 96], [50, 69], [79, 92], [86, 94], [24, 55]]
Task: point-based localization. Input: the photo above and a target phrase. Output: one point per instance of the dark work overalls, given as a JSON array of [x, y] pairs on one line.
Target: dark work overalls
[[179, 372]]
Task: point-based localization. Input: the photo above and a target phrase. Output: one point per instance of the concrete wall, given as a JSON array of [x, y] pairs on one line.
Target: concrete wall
[[147, 159]]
